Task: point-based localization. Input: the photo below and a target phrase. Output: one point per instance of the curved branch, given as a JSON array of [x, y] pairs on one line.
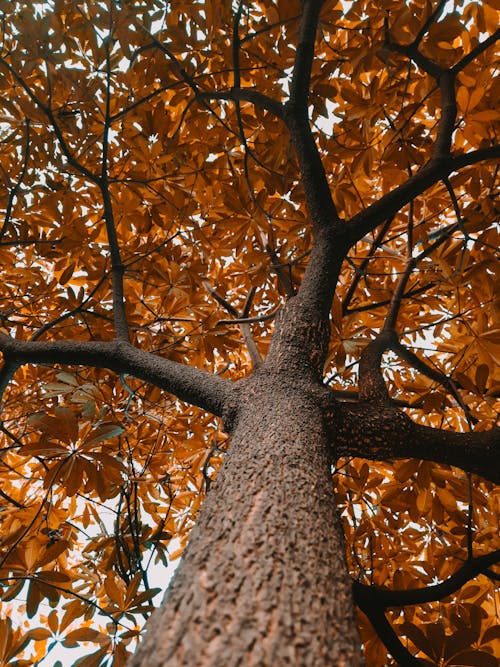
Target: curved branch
[[373, 601], [385, 597], [187, 383], [442, 163], [386, 632]]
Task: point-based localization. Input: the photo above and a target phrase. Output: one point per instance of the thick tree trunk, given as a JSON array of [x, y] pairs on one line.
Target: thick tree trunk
[[264, 579]]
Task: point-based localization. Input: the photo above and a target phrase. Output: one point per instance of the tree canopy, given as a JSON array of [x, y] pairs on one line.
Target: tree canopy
[[162, 166]]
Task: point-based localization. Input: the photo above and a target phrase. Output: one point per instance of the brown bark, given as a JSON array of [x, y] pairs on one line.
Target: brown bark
[[383, 433], [264, 579]]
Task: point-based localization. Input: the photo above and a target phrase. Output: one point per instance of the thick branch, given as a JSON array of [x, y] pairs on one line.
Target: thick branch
[[477, 452], [187, 383], [476, 51], [385, 597], [446, 124], [373, 601], [322, 270], [321, 208], [386, 633], [300, 341], [372, 385], [387, 434], [330, 243], [301, 77], [473, 157], [372, 216]]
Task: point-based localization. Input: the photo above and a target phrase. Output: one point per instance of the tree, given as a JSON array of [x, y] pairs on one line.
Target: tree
[[267, 223]]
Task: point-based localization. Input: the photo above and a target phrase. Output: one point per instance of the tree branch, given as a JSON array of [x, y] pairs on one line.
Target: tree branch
[[379, 304], [372, 385], [301, 76], [72, 161], [446, 125], [473, 157], [434, 171], [321, 209], [117, 268], [283, 270], [385, 433], [371, 382], [240, 318], [187, 383], [373, 601], [432, 18], [360, 270], [476, 51], [14, 190], [251, 95], [411, 358], [441, 163], [385, 631], [385, 597]]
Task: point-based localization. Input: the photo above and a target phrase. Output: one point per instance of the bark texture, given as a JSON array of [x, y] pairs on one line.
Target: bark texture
[[384, 433], [264, 580]]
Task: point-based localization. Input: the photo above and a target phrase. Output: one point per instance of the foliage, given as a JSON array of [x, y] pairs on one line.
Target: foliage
[[145, 161]]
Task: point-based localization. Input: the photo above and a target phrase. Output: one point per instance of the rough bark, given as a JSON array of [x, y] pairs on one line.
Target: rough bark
[[264, 578], [382, 433], [188, 383]]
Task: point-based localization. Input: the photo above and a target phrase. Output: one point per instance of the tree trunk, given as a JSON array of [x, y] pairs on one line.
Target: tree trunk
[[264, 580]]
